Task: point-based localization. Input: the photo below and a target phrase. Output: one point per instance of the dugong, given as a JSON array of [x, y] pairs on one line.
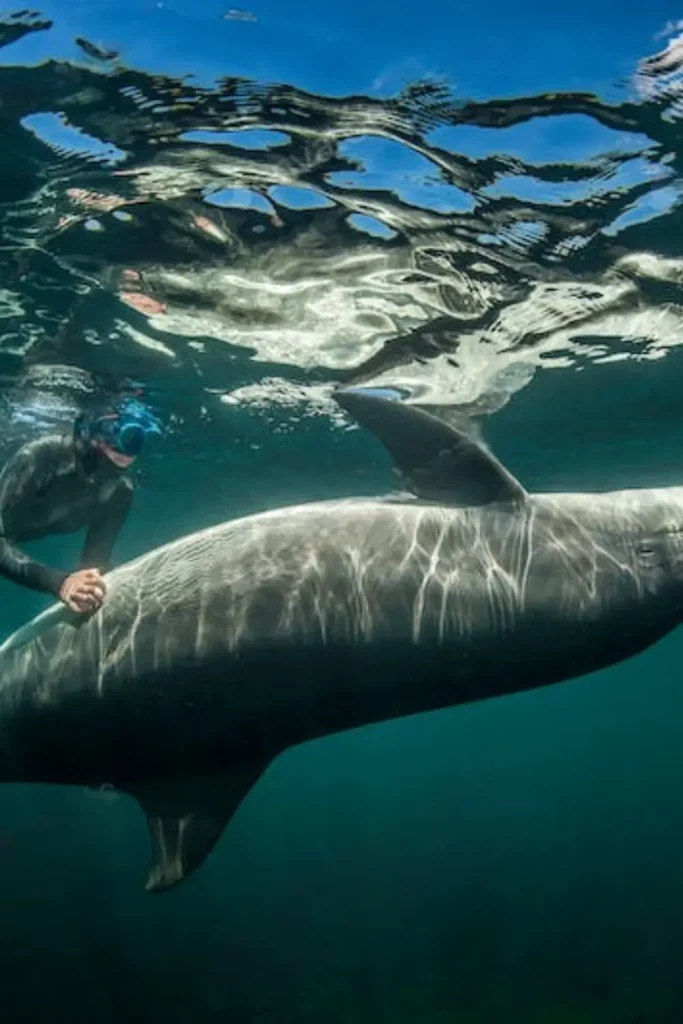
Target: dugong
[[214, 653]]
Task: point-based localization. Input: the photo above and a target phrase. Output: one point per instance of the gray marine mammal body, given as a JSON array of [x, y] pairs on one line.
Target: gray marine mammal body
[[218, 651]]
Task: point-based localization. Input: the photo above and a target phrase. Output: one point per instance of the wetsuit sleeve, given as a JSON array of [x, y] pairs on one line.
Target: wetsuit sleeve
[[17, 480], [106, 525]]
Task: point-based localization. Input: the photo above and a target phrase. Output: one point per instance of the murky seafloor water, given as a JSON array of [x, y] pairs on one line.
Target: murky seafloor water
[[242, 210]]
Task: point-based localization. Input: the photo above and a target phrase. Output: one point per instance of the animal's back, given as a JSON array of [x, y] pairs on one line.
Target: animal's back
[[301, 605], [323, 573], [338, 573]]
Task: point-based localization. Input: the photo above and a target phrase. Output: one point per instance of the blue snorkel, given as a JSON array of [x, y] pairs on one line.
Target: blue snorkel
[[122, 428]]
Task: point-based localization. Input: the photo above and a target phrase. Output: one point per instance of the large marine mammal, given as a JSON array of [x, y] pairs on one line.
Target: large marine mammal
[[218, 651]]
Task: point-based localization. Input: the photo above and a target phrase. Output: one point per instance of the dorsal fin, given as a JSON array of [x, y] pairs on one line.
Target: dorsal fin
[[437, 461]]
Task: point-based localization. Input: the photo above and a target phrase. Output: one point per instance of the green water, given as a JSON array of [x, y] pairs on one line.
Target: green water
[[518, 860]]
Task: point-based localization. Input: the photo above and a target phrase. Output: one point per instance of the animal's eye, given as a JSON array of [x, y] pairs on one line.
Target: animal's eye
[[646, 552]]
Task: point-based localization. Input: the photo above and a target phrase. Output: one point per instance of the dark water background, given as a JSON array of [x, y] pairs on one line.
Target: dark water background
[[518, 860]]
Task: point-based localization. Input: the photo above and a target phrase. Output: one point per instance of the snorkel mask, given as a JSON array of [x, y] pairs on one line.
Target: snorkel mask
[[120, 431]]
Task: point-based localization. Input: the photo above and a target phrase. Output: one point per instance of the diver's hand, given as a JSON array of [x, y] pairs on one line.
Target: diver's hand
[[83, 591]]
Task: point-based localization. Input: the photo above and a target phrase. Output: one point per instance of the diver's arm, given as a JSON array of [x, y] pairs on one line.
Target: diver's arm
[[29, 572], [106, 526], [23, 473]]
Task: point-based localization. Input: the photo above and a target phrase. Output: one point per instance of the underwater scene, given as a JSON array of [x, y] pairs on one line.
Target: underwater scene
[[341, 512]]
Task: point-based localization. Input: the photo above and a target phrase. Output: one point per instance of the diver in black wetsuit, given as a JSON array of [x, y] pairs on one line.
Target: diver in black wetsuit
[[59, 484]]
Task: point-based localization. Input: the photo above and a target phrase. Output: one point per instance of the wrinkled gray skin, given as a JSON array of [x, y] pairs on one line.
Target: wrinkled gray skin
[[215, 653]]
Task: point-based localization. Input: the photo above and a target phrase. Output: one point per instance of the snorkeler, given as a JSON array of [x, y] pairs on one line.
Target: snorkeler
[[61, 483]]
